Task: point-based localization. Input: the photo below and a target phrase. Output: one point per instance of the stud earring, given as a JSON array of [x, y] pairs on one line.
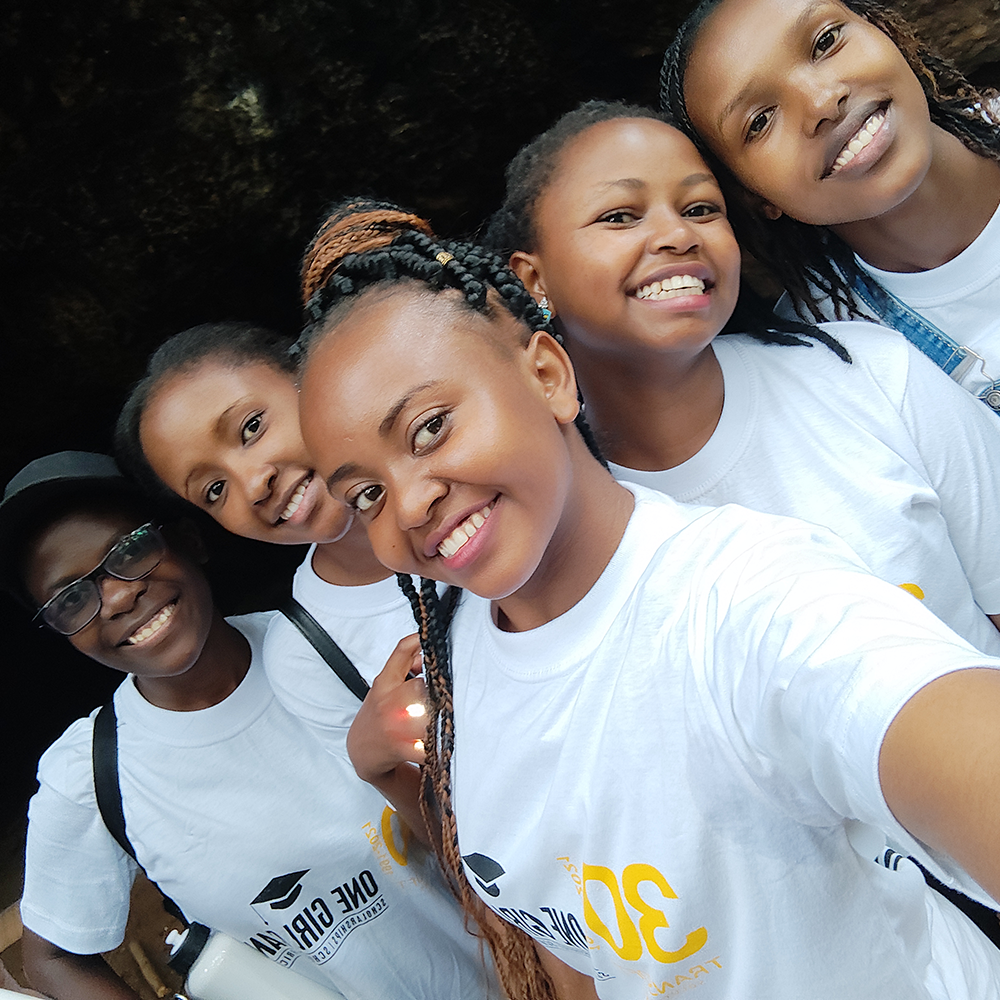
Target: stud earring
[[546, 311]]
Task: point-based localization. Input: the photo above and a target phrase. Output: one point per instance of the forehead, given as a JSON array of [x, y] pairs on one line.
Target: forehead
[[741, 39], [623, 149], [387, 346], [71, 545], [211, 387]]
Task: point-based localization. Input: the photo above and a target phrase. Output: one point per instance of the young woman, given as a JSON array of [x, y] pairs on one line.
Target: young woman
[[230, 804], [868, 166], [614, 218], [661, 715], [215, 420]]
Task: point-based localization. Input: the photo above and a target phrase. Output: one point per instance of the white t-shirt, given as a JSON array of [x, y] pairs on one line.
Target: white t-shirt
[[366, 622], [662, 785], [887, 452], [253, 828], [961, 297]]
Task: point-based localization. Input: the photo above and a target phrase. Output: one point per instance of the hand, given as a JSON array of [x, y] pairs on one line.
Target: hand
[[391, 723]]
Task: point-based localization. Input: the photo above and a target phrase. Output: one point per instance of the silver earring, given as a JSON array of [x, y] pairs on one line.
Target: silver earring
[[546, 311]]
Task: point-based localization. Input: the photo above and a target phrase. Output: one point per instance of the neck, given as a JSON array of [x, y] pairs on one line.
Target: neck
[[593, 519], [941, 218], [653, 411], [213, 677], [349, 561]]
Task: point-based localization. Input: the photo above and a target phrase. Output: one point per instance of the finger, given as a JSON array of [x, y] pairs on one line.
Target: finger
[[401, 661]]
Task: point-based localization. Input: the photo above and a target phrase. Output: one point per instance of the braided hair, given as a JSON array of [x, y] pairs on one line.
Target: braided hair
[[231, 343], [512, 227], [364, 245], [805, 257]]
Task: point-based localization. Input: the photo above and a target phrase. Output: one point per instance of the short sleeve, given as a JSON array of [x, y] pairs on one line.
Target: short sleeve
[[77, 879], [824, 655]]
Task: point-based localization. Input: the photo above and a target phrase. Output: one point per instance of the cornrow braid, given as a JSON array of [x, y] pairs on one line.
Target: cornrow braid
[[349, 225], [515, 957], [804, 257], [387, 250]]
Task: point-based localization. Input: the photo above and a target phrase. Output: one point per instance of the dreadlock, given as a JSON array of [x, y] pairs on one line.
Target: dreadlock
[[512, 227], [363, 245], [805, 257], [231, 343]]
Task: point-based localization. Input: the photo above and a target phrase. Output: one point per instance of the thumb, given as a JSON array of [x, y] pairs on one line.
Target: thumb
[[404, 661]]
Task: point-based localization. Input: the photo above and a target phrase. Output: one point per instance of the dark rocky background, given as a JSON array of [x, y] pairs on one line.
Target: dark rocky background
[[163, 163]]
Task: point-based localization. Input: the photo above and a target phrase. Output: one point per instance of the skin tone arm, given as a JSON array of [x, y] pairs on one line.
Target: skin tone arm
[[995, 619], [385, 740], [939, 767], [66, 976]]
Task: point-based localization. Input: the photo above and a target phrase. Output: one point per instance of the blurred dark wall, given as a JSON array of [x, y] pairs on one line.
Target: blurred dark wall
[[164, 163]]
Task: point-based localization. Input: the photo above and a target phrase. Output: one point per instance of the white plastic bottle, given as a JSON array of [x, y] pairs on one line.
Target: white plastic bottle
[[217, 967]]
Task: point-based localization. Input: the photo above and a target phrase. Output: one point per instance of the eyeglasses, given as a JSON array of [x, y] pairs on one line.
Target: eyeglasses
[[78, 603]]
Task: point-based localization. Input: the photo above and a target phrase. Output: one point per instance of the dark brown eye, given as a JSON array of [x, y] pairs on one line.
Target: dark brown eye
[[826, 41]]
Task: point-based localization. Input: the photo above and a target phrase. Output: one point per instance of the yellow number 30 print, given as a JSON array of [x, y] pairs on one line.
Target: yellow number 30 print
[[650, 918]]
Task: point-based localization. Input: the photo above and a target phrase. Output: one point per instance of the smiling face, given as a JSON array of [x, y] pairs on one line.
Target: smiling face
[[811, 106], [634, 251], [448, 432], [153, 627], [226, 437]]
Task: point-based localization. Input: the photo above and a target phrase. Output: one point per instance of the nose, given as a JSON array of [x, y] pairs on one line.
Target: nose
[[416, 499], [258, 481], [119, 596], [670, 231], [823, 96]]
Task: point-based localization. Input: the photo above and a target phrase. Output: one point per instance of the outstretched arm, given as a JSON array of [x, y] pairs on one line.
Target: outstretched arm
[[385, 742], [66, 976], [939, 767]]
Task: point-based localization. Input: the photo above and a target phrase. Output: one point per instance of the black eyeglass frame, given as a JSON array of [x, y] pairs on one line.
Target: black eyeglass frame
[[101, 570]]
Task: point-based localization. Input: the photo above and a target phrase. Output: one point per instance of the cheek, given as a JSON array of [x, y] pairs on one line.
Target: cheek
[[390, 546]]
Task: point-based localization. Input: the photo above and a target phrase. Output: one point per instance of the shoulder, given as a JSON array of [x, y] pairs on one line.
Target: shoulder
[[67, 765]]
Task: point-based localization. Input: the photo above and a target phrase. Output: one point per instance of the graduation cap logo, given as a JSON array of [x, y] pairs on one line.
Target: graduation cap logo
[[486, 871], [282, 891]]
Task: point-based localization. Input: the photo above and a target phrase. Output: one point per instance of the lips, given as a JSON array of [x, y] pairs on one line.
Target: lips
[[678, 280], [456, 532], [295, 501], [151, 626], [670, 288], [861, 129], [299, 503]]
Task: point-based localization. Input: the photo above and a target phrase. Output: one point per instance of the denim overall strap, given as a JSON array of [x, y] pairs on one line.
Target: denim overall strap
[[963, 364]]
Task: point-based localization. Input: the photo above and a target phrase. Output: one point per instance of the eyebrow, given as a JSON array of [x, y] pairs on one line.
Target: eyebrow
[[801, 20], [388, 422]]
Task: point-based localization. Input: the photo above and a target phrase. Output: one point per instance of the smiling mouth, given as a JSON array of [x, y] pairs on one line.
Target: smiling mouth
[[671, 288], [466, 530], [151, 627], [295, 501], [858, 141]]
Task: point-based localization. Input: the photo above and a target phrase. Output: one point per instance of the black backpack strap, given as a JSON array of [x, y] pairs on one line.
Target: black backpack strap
[[108, 791], [321, 641], [106, 786]]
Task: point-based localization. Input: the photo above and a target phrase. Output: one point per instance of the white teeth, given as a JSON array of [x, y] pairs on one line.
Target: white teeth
[[296, 499], [864, 135], [457, 539], [152, 626], [669, 288]]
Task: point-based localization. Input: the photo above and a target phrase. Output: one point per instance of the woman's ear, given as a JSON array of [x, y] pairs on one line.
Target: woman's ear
[[527, 268], [553, 369], [770, 211]]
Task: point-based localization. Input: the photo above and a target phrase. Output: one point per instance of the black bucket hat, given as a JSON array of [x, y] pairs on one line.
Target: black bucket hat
[[31, 495]]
